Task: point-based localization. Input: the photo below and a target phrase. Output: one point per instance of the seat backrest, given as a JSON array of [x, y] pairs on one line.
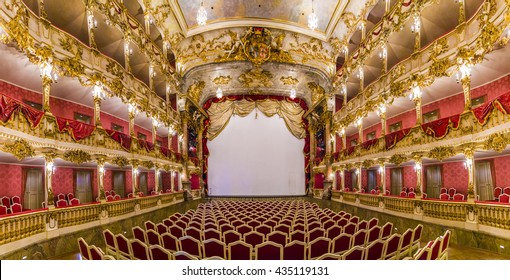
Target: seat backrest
[[505, 198], [123, 245], [373, 234], [159, 253], [298, 235], [149, 225], [411, 195], [61, 196], [239, 250], [407, 238], [373, 222], [359, 238], [506, 190], [176, 231], [214, 248], [375, 250], [446, 241], [61, 203], [182, 255], [139, 250], [153, 238], [193, 232], [16, 199], [341, 243], [435, 249], [254, 238], [319, 247], [3, 210], [16, 208], [109, 239], [74, 201], [316, 233], [443, 190], [452, 191], [350, 228], [362, 225], [139, 234], [333, 232], [403, 193], [231, 236], [278, 237], [84, 248], [417, 233], [444, 196], [110, 198], [212, 234], [355, 253], [191, 245], [497, 191], [269, 251], [170, 242], [393, 244]]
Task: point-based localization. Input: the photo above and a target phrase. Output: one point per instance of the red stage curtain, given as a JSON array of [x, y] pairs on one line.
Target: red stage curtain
[[78, 130], [395, 137], [121, 138], [34, 116]]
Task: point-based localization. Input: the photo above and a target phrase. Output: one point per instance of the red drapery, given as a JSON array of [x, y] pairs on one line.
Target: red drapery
[[439, 128], [503, 103], [482, 113], [121, 138], [9, 106], [395, 137], [78, 130], [148, 146], [349, 150], [302, 103], [369, 143]]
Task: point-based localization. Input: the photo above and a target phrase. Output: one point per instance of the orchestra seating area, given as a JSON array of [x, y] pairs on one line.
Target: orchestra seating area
[[266, 230]]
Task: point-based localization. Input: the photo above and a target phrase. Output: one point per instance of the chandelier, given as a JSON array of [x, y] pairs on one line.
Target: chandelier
[[313, 21], [201, 14], [219, 93]]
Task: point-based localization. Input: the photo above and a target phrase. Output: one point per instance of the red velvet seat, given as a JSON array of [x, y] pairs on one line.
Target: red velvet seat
[[445, 242], [351, 228], [191, 245], [124, 249], [161, 228], [61, 203], [16, 199], [359, 238], [243, 229], [333, 232], [184, 256], [506, 190], [362, 225], [84, 249], [226, 227], [298, 235], [355, 253], [61, 196], [74, 202], [109, 240], [282, 228], [278, 237], [452, 192], [373, 234], [504, 198], [153, 238], [393, 246], [214, 248], [139, 233], [386, 230], [149, 225], [375, 250], [319, 247], [195, 233], [231, 236], [212, 234], [170, 242], [176, 231], [239, 250], [110, 198], [263, 229], [341, 243], [159, 253], [269, 251], [316, 233]]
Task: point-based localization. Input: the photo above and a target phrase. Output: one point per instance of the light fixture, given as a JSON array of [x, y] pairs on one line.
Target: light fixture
[[49, 166], [132, 108], [415, 28], [293, 93], [381, 109], [343, 90], [98, 92], [152, 71], [101, 169], [342, 131], [148, 18], [155, 122], [91, 21], [127, 49], [313, 21], [166, 44], [360, 74], [219, 93], [135, 171], [417, 166], [361, 25], [201, 14], [464, 71], [381, 169], [468, 163], [415, 92], [345, 50], [384, 53], [46, 70], [358, 122]]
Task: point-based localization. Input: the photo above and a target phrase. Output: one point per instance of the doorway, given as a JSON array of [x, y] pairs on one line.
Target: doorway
[[434, 181], [83, 189], [119, 183], [483, 177], [34, 188], [142, 183], [372, 179], [396, 180]]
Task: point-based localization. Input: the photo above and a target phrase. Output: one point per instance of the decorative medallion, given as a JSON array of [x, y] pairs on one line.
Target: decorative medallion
[[120, 161], [222, 80], [195, 90], [257, 45], [147, 164], [256, 77], [317, 91], [20, 149], [441, 153], [496, 142], [397, 159], [367, 163], [77, 156]]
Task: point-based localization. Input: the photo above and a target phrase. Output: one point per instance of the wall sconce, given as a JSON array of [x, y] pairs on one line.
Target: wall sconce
[[358, 122], [415, 28], [98, 92], [50, 167], [155, 122], [384, 53], [46, 70], [127, 49], [92, 23], [381, 110], [464, 71], [135, 171], [293, 93], [219, 93], [417, 166], [415, 93], [152, 71], [342, 132], [360, 74], [381, 169], [101, 169], [468, 163], [132, 109]]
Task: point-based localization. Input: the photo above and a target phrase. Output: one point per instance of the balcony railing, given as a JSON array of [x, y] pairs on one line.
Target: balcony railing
[[20, 226]]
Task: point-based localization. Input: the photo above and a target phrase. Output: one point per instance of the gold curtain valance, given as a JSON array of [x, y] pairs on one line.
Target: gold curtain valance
[[220, 113]]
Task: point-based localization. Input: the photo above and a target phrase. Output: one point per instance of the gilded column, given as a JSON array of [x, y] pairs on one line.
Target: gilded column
[[382, 173], [342, 179], [46, 83], [128, 51], [100, 178], [470, 165], [132, 114], [416, 29], [134, 177], [155, 125], [49, 157], [358, 170], [157, 177], [91, 24], [97, 111], [466, 89], [313, 149], [359, 124], [382, 115], [419, 176], [344, 140], [172, 178], [184, 178], [328, 182]]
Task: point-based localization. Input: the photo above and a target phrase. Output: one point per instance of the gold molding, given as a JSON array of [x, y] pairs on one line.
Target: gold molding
[[77, 156], [20, 149], [441, 153]]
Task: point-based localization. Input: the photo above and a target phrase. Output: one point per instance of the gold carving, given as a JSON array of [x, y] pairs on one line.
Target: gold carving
[[367, 163], [222, 80], [195, 90], [256, 77], [289, 80], [397, 159], [120, 161], [77, 156], [318, 92], [496, 142], [441, 153], [312, 49], [147, 164], [20, 149]]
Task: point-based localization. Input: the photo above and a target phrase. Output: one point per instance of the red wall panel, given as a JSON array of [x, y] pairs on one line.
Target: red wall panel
[[409, 177], [502, 168], [10, 180], [455, 175], [492, 89], [450, 106], [108, 180]]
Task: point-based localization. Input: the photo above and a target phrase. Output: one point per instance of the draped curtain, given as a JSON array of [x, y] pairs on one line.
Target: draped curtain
[[220, 113]]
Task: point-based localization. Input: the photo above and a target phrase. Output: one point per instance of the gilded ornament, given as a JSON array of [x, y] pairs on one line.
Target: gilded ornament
[[222, 80], [312, 49], [367, 163], [318, 92], [77, 156], [147, 164], [289, 80], [134, 163], [20, 149], [120, 161], [496, 142], [397, 159], [255, 78], [441, 153], [195, 90]]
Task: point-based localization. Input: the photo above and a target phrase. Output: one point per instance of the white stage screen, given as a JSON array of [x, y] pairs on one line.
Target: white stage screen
[[256, 157]]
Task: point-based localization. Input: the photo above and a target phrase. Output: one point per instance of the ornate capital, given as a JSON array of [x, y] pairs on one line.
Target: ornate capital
[[20, 149], [120, 161], [441, 153], [134, 163], [397, 159], [77, 156], [496, 142]]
